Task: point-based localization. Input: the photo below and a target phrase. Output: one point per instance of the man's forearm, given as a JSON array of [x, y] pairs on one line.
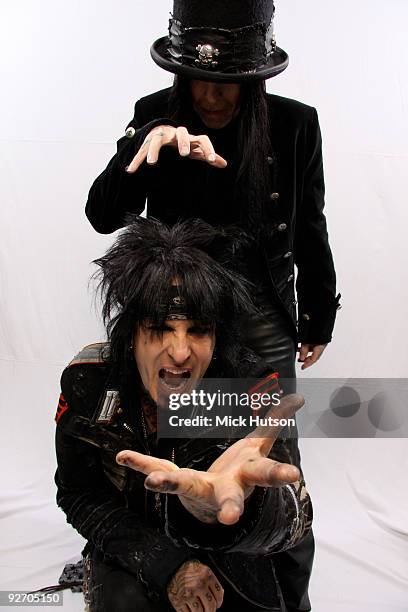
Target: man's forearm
[[274, 520]]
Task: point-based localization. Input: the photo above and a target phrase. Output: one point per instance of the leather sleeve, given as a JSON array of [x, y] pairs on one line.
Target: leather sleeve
[[115, 193], [316, 280], [274, 520], [96, 509]]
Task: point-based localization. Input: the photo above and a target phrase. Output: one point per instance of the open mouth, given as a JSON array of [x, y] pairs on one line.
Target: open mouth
[[174, 379]]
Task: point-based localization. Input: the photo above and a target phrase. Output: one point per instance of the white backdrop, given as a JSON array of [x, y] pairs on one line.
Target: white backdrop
[[70, 73]]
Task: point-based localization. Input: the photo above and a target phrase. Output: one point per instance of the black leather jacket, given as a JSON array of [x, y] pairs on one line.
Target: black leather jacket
[[293, 234], [149, 534]]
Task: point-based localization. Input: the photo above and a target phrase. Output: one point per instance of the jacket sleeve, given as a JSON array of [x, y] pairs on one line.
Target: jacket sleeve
[[316, 280], [115, 193], [274, 519], [96, 509]]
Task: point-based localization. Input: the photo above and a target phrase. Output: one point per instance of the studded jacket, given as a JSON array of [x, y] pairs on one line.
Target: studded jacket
[[149, 534], [176, 187]]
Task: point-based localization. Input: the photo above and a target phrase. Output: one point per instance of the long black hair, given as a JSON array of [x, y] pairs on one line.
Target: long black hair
[[136, 277], [252, 147]]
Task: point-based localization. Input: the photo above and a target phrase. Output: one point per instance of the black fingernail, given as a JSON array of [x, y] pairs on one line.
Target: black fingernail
[[169, 486], [165, 487]]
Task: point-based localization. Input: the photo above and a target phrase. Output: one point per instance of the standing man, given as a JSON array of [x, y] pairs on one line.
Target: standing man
[[216, 146]]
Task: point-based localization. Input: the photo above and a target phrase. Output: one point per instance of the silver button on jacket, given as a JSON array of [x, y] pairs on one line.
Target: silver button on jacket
[[130, 132]]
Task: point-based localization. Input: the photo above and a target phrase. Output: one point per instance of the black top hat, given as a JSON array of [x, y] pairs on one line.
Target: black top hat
[[221, 40]]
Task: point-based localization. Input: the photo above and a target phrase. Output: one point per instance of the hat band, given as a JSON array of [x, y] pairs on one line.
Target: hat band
[[229, 51]]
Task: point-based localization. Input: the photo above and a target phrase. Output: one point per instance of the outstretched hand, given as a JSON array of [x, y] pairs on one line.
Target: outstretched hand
[[188, 145], [220, 492]]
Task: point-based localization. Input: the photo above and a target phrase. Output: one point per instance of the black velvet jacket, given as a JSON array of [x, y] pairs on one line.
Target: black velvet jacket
[[177, 187], [152, 535]]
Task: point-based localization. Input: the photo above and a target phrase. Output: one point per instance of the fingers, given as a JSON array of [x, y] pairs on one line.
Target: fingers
[[204, 150], [309, 360], [150, 149], [207, 600], [229, 498], [138, 159], [303, 352], [179, 482], [156, 141], [268, 473], [217, 591], [197, 154], [195, 586], [196, 147], [210, 594], [219, 162], [144, 463], [206, 147], [278, 417], [195, 605], [183, 141]]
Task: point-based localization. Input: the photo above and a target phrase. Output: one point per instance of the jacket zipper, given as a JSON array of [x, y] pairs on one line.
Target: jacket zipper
[[146, 505]]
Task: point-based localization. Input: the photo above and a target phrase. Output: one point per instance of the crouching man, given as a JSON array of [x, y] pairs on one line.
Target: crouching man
[[193, 525]]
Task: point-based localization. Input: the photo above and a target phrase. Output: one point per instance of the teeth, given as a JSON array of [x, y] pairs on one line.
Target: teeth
[[175, 371]]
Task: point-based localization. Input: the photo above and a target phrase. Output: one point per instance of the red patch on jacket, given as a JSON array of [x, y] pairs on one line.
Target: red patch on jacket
[[61, 408], [267, 386]]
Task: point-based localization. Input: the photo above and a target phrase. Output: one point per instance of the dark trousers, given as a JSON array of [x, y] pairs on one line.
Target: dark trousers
[[112, 589], [271, 337]]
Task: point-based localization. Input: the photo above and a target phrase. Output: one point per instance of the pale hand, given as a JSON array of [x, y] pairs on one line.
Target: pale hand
[[188, 145], [315, 351], [195, 587], [219, 493]]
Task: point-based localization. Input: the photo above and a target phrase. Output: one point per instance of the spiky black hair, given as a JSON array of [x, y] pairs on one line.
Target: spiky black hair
[[137, 272]]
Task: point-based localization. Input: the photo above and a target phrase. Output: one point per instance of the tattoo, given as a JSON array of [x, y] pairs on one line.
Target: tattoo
[[195, 563], [208, 596], [179, 589], [217, 587]]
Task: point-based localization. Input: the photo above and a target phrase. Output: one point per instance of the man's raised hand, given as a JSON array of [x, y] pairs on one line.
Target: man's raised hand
[[220, 492], [188, 145]]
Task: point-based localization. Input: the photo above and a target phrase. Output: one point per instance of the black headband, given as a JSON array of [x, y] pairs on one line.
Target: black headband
[[177, 307]]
